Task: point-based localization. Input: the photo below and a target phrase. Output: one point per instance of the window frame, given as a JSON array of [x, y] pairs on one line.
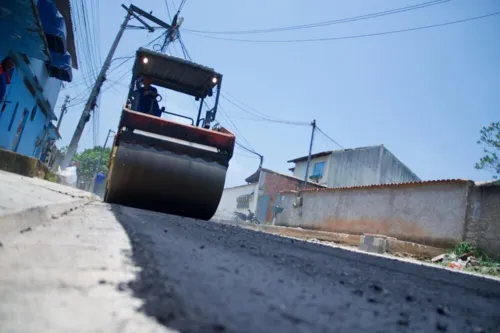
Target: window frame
[[319, 174]]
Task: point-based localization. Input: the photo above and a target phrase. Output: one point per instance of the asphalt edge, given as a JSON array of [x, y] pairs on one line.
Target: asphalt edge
[[467, 280], [28, 218]]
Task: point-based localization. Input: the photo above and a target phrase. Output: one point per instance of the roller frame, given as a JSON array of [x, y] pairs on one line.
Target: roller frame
[[222, 140], [192, 178]]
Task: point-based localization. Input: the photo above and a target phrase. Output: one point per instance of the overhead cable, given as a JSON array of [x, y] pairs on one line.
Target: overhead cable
[[262, 118], [329, 138], [348, 37], [325, 23]]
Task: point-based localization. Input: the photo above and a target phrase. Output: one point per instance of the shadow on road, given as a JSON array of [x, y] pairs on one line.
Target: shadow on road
[[152, 285]]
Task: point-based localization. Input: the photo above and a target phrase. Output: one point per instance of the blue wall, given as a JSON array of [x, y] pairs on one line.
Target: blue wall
[[21, 108], [25, 123]]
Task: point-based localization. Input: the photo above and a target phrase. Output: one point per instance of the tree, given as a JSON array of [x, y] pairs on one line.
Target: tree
[[490, 140], [89, 161]]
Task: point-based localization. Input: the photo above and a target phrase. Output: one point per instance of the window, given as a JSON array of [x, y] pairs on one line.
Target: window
[[318, 169], [13, 116], [33, 113], [243, 201]]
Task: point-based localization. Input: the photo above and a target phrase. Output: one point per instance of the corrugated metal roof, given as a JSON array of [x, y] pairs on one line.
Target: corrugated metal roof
[[175, 73], [304, 158], [409, 184], [329, 152], [495, 182]]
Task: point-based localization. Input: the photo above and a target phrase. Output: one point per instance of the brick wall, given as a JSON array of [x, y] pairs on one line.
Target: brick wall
[[273, 183]]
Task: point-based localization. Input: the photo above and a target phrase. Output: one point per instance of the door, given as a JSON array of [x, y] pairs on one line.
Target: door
[[262, 207], [20, 130]]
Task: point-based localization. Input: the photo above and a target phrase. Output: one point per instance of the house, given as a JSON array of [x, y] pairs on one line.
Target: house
[[257, 196], [354, 167], [40, 40]]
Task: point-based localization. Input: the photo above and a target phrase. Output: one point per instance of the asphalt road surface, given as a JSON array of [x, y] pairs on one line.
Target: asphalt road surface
[[200, 276]]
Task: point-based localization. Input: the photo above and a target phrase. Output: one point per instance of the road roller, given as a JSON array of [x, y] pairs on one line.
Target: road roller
[[163, 161]]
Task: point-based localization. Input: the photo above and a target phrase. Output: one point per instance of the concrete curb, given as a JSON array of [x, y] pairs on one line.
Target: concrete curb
[[23, 165], [31, 217], [393, 245]]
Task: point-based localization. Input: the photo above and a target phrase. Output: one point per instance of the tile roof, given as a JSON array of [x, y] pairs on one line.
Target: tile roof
[[238, 186], [393, 185], [253, 178]]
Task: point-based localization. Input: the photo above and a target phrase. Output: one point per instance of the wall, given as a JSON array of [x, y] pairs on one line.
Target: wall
[[51, 86], [300, 169], [392, 170], [18, 94], [29, 125], [354, 167], [272, 183], [430, 213], [228, 204], [483, 219]]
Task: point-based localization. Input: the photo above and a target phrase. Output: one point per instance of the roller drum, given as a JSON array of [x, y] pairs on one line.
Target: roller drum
[[162, 181]]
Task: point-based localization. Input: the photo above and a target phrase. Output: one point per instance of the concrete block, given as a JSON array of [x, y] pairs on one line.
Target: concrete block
[[373, 244]]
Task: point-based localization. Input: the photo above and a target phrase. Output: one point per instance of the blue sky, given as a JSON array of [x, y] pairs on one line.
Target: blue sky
[[423, 94]]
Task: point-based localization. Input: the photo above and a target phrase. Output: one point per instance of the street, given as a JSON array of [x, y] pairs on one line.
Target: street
[[103, 268]]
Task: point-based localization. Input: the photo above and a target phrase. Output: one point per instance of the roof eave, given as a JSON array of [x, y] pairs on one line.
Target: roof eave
[[64, 7]]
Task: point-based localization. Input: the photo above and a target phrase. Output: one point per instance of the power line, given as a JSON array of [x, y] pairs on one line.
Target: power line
[[328, 137], [222, 112], [348, 37], [168, 10], [326, 23], [262, 118]]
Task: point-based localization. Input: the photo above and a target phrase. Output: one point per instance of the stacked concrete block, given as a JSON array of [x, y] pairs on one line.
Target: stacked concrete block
[[374, 244]]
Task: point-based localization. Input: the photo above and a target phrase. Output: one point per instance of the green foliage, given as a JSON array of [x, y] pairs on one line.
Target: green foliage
[[490, 140], [463, 248], [89, 160], [466, 248], [50, 177]]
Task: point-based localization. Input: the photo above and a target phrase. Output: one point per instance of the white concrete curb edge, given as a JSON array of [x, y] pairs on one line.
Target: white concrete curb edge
[[31, 217]]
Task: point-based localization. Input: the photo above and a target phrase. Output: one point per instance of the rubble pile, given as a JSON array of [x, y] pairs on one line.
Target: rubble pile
[[468, 261]]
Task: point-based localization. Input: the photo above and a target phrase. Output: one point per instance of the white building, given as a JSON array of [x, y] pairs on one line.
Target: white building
[[354, 167], [229, 201], [258, 196]]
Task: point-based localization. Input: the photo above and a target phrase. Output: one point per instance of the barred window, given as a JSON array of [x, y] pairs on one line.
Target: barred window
[[243, 201]]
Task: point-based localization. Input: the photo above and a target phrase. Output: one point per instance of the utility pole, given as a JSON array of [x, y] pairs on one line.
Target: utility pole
[[64, 109], [98, 166], [132, 11], [107, 137], [93, 95], [313, 124]]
